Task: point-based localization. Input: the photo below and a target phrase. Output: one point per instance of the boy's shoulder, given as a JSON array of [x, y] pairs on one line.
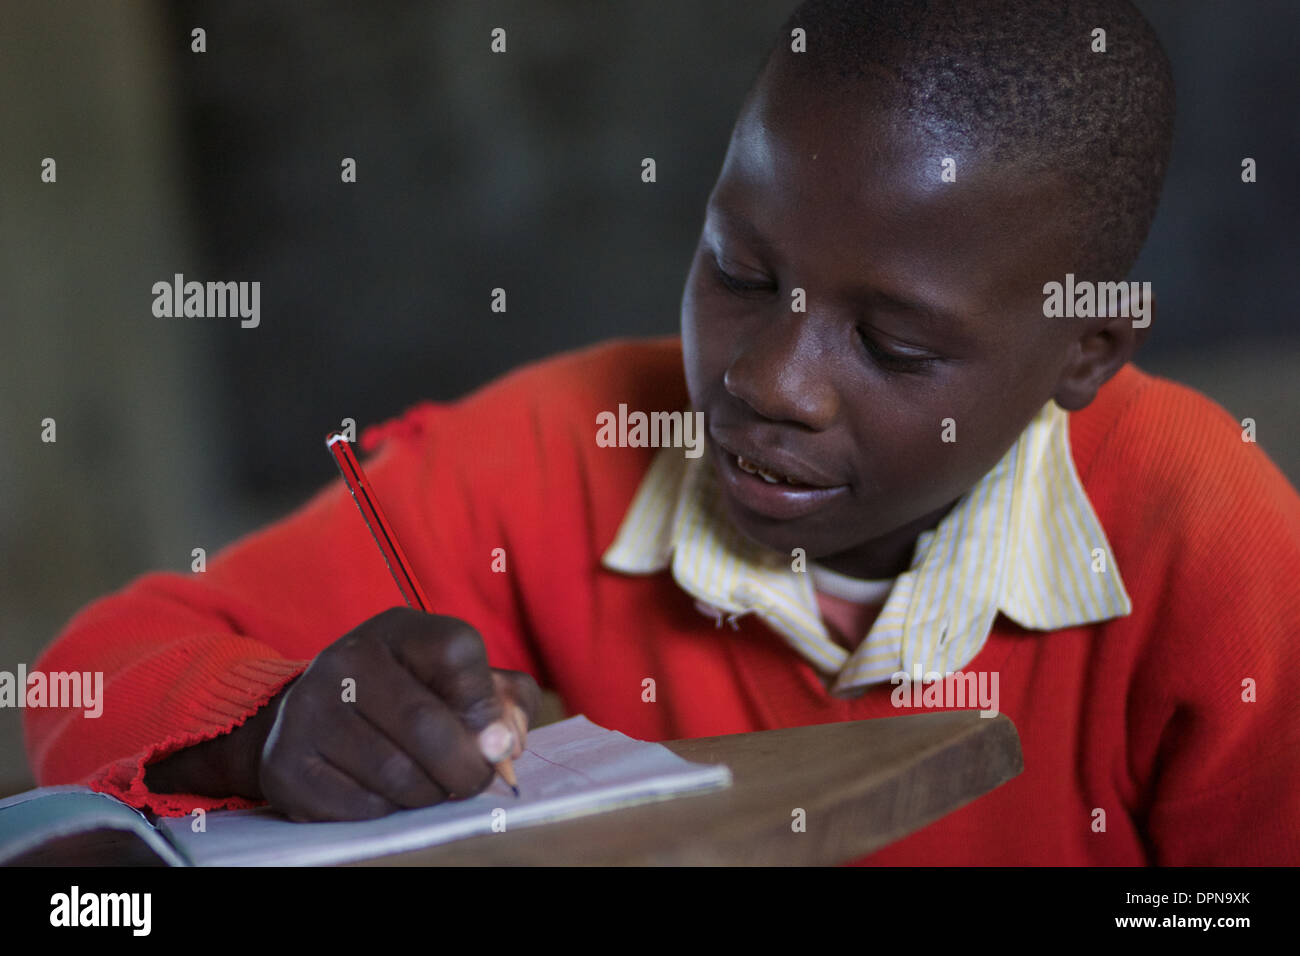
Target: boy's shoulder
[[1168, 433], [1164, 464]]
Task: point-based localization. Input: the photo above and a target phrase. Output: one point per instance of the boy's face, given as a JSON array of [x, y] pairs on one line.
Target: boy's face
[[923, 302]]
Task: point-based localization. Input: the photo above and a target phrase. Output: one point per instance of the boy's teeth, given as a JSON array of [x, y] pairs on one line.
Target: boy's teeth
[[771, 477]]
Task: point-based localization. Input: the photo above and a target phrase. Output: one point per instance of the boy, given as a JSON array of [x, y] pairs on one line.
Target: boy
[[909, 470]]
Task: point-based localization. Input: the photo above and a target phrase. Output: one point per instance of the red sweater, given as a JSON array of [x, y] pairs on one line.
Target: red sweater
[[1141, 716]]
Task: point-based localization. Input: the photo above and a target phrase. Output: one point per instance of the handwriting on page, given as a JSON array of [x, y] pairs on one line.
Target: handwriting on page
[[555, 784]]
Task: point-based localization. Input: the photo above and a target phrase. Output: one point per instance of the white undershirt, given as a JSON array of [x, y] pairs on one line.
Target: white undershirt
[[857, 590]]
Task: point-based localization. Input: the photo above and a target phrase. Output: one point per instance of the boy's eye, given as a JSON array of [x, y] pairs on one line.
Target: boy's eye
[[893, 361], [741, 286]]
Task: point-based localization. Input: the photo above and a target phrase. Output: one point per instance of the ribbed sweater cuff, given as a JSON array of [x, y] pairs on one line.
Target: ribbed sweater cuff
[[216, 707]]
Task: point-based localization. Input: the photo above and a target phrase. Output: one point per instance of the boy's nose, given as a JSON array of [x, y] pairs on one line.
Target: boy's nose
[[780, 373]]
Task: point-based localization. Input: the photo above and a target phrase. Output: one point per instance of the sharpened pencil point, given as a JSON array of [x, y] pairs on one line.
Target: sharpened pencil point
[[507, 771]]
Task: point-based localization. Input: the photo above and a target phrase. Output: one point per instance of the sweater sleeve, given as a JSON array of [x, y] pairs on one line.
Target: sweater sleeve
[[1226, 788], [1214, 713], [188, 657]]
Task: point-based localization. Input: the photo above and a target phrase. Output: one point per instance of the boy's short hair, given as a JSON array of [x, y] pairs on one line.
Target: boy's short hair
[[1019, 83]]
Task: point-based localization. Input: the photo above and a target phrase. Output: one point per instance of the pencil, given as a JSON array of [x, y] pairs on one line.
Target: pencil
[[394, 557]]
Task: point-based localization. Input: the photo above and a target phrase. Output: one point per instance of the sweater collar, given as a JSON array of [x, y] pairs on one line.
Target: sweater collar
[[1024, 541]]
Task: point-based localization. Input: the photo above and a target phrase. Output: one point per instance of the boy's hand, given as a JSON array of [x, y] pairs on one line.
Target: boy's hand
[[426, 720]]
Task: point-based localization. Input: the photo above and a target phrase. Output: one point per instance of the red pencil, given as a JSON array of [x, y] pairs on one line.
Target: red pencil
[[394, 557]]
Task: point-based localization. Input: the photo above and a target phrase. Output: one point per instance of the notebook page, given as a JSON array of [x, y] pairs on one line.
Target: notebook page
[[570, 768]]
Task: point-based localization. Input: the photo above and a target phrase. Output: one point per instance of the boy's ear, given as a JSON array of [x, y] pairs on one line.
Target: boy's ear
[[1102, 351]]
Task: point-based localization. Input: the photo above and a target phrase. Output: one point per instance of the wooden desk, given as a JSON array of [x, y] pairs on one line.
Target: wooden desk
[[863, 784]]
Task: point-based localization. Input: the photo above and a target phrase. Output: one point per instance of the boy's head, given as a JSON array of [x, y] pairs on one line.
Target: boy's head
[[923, 293]]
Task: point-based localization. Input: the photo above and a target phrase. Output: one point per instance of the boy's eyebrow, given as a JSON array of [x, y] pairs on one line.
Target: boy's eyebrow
[[933, 314], [741, 225], [872, 295]]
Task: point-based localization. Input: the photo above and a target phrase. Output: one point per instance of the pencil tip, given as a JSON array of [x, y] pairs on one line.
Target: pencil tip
[[515, 789]]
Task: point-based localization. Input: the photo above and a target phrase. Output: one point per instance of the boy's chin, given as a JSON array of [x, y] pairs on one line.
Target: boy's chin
[[780, 536]]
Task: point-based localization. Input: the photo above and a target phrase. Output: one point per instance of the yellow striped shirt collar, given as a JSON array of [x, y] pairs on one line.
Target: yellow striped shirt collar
[[1024, 541]]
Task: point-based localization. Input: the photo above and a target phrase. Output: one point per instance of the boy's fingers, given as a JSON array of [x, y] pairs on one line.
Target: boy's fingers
[[429, 729], [505, 737], [370, 757], [521, 696], [449, 657], [331, 794], [521, 688], [498, 740]]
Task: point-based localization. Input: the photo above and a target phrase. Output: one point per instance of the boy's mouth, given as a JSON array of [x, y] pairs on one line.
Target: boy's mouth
[[782, 492], [771, 477]]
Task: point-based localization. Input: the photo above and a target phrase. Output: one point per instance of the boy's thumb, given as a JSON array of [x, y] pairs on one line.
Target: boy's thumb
[[505, 736], [496, 741]]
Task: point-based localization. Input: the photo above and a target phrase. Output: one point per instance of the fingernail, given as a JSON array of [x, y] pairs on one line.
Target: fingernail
[[496, 741]]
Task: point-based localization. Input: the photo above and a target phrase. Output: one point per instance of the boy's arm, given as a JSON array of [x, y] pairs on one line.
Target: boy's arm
[[1226, 785], [186, 658], [1225, 779], [223, 766], [1228, 791]]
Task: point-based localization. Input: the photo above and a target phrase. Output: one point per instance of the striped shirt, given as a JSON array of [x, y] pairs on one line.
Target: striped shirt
[[1024, 541]]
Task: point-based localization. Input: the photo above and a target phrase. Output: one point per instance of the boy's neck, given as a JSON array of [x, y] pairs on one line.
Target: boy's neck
[[887, 556]]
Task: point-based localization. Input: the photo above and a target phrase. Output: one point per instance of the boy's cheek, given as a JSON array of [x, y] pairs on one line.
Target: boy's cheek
[[703, 358]]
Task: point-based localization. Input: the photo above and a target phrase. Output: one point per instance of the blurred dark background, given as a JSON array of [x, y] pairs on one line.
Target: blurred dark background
[[474, 171]]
